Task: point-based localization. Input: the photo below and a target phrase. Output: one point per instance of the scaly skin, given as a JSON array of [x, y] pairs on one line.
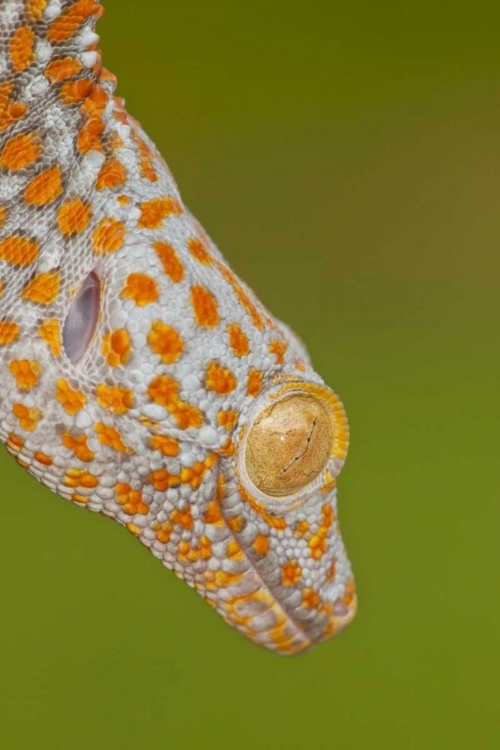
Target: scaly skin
[[142, 412]]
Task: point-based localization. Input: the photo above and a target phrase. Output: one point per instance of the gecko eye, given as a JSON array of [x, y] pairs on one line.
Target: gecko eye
[[295, 445], [81, 320]]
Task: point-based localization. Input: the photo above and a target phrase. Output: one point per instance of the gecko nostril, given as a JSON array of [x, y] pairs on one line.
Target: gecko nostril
[[82, 317]]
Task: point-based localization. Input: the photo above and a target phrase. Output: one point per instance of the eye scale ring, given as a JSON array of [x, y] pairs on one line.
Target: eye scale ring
[[293, 445]]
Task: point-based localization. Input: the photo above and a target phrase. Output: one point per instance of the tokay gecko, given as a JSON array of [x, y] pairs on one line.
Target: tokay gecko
[[139, 377]]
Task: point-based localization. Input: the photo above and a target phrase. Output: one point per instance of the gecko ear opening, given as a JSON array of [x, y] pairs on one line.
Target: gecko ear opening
[[82, 318]]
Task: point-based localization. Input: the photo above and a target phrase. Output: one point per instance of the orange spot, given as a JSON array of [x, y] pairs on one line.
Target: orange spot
[[26, 373], [80, 478], [327, 512], [140, 288], [184, 519], [162, 480], [42, 458], [153, 212], [109, 436], [278, 348], [20, 151], [71, 400], [228, 448], [220, 379], [113, 397], [167, 445], [73, 217], [109, 236], [43, 289], [50, 333], [3, 214], [28, 418], [318, 546], [35, 8], [10, 111], [112, 176], [330, 574], [78, 444], [242, 295], [234, 551], [223, 579], [206, 311], [62, 69], [254, 383], [106, 75], [131, 500], [276, 522], [75, 92], [146, 167], [14, 442], [292, 573], [261, 544], [164, 390], [349, 594], [163, 532], [212, 514], [165, 342], [238, 340], [227, 419], [44, 188], [95, 104], [21, 48], [310, 598], [20, 251], [70, 20], [134, 529], [169, 260], [199, 251], [89, 137], [116, 347], [8, 332], [236, 524], [301, 528]]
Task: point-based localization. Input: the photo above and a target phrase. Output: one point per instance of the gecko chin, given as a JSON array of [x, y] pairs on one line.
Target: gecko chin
[[288, 583]]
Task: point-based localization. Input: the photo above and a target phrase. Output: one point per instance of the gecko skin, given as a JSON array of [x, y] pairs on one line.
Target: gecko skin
[[139, 377]]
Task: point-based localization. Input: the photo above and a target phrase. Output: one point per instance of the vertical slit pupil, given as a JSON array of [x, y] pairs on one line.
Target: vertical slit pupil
[[81, 319]]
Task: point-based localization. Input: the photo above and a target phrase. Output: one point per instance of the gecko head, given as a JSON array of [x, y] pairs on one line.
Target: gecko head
[[139, 377], [156, 390]]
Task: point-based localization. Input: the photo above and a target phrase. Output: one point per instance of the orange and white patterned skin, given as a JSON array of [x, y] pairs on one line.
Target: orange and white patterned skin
[[134, 365]]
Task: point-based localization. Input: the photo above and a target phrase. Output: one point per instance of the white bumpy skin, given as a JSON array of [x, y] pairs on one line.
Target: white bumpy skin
[[139, 377]]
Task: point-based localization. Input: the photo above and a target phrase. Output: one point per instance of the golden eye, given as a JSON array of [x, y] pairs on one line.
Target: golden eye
[[295, 443], [289, 445]]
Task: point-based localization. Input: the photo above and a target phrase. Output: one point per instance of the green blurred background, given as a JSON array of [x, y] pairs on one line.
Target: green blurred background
[[345, 157]]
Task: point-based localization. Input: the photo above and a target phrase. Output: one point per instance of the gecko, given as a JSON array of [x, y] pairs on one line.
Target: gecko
[[140, 378]]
